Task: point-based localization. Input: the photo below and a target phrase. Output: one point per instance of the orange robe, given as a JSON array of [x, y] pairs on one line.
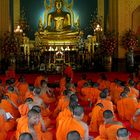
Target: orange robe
[[63, 114], [11, 124], [69, 72], [14, 97], [108, 131], [136, 124], [103, 84], [96, 119], [29, 94], [80, 85], [88, 93], [116, 93], [126, 108], [8, 107], [62, 85], [23, 88], [108, 105], [3, 132], [43, 135], [23, 109], [46, 99], [23, 127], [68, 125], [38, 81], [62, 104], [134, 93]]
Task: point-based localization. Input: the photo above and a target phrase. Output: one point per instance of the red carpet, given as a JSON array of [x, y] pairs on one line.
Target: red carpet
[[92, 76]]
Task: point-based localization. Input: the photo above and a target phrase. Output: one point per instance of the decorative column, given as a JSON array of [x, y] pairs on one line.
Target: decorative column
[[16, 12], [101, 10], [4, 19], [4, 16]]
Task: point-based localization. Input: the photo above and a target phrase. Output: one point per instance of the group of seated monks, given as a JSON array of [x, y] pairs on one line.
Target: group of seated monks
[[69, 112]]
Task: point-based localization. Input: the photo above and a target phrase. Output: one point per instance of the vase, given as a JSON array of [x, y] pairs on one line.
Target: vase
[[108, 63], [130, 61]]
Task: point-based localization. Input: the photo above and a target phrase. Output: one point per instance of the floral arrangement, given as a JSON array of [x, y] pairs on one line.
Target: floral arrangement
[[10, 44], [108, 44], [129, 40]]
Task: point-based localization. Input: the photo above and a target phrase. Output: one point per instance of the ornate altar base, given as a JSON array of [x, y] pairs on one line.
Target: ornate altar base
[[58, 49]]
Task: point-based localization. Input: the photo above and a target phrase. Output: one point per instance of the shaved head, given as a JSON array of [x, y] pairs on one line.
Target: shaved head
[[25, 136], [108, 114], [122, 134], [73, 135], [78, 111], [32, 113]]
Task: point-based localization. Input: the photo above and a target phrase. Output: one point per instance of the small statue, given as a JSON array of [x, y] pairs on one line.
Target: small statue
[[40, 25]]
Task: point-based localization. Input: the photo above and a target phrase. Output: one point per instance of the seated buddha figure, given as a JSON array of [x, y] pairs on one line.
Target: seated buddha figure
[[59, 21]]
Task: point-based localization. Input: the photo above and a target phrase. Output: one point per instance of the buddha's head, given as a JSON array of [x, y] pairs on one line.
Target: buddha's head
[[58, 4]]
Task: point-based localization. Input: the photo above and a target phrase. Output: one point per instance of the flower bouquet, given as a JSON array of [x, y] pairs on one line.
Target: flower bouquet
[[129, 40]]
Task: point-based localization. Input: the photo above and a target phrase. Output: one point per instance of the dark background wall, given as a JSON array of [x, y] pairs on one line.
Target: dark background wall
[[33, 9]]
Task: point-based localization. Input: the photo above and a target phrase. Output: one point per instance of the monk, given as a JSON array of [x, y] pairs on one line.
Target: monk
[[73, 135], [126, 106], [37, 99], [135, 122], [96, 92], [123, 134], [73, 123], [22, 88], [44, 121], [46, 94], [87, 93], [96, 117], [25, 136], [29, 93], [39, 78], [13, 95], [81, 83], [133, 91], [24, 108], [68, 71], [43, 126], [108, 105], [67, 112], [62, 84], [28, 125], [63, 102], [9, 106], [3, 131], [108, 130], [103, 82], [115, 94]]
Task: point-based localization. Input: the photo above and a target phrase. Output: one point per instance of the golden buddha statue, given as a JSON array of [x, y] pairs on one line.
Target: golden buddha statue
[[59, 22]]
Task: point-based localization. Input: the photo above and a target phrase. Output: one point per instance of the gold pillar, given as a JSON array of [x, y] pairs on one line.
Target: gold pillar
[[101, 10], [16, 12], [113, 15], [4, 16], [4, 19]]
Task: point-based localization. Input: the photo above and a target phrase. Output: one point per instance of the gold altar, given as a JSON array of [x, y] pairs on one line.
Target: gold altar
[[59, 35]]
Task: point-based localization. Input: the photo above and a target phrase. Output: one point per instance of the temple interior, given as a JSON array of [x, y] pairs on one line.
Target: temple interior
[[51, 34], [69, 69]]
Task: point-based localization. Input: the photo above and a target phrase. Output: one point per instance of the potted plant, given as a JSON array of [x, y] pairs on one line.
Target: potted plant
[[129, 42], [108, 46]]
